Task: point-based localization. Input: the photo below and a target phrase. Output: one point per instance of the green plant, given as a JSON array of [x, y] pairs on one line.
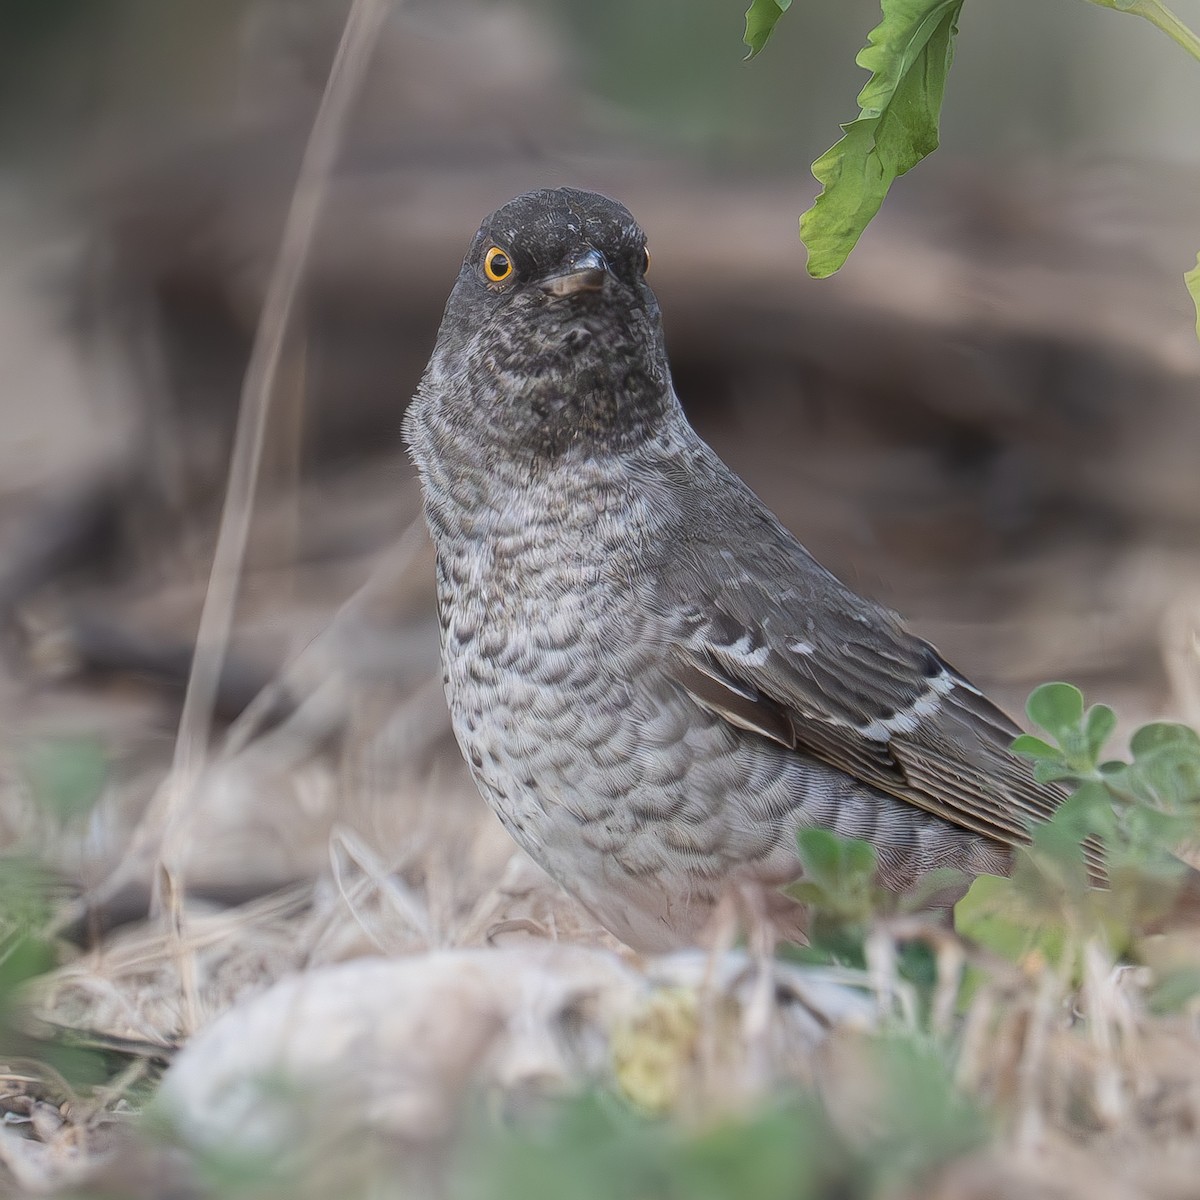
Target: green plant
[[65, 778], [909, 55], [1136, 811]]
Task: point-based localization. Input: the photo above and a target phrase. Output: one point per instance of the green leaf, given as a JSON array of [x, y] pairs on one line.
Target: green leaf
[[838, 875], [1056, 707], [1192, 279], [1056, 853], [936, 885], [1097, 729], [1048, 770], [858, 858], [820, 854], [66, 775], [994, 914], [1165, 772], [1087, 812], [761, 18], [806, 892], [24, 895], [1033, 747], [1159, 735], [908, 54], [833, 862], [587, 1148], [1167, 778]]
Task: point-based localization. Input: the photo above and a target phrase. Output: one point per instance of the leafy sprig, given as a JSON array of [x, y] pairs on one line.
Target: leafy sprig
[[1138, 810], [909, 55]]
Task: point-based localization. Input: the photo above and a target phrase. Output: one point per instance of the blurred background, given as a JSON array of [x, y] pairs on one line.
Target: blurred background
[[988, 421]]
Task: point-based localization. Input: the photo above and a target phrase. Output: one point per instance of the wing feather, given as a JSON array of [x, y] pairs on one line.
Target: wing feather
[[854, 689]]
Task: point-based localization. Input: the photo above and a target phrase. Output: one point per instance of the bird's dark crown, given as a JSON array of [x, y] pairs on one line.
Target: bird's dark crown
[[546, 231]]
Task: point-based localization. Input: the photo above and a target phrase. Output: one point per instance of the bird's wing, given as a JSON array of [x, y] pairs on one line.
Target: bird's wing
[[800, 659]]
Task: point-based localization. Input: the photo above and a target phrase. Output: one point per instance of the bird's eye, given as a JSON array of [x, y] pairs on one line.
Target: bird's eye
[[497, 266], [645, 259]]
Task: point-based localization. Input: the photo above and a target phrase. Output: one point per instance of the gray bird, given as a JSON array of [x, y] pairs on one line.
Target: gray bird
[[654, 684]]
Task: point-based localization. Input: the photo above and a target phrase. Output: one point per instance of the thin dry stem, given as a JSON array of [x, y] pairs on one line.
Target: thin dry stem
[[160, 828], [345, 849], [363, 24]]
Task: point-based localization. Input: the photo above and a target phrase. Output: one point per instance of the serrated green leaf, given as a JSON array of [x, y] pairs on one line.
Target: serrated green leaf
[[908, 54], [1033, 747], [1056, 707], [1192, 279], [761, 19]]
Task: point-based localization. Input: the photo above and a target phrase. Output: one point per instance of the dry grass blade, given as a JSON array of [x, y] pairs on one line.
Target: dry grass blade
[[349, 854], [159, 832], [363, 24]]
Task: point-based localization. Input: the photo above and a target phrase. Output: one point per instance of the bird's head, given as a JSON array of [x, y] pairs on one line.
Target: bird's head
[[551, 338]]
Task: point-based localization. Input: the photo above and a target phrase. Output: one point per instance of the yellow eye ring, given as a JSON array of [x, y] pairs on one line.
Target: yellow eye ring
[[497, 266], [645, 259]]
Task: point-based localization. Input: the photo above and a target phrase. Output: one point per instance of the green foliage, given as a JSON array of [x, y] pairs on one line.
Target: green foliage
[[1162, 779], [839, 874], [926, 1120], [1117, 827], [988, 915], [594, 1149], [839, 888], [844, 900], [26, 954], [908, 54], [761, 18], [67, 775], [23, 954], [1138, 811]]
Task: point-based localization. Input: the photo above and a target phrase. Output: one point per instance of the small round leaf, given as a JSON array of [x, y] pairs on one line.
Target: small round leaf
[[1056, 707]]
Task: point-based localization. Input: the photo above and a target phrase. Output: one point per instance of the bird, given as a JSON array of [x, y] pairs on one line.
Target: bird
[[653, 683]]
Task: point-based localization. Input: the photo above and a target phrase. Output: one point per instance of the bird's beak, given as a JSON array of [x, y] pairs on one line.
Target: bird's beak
[[585, 274]]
